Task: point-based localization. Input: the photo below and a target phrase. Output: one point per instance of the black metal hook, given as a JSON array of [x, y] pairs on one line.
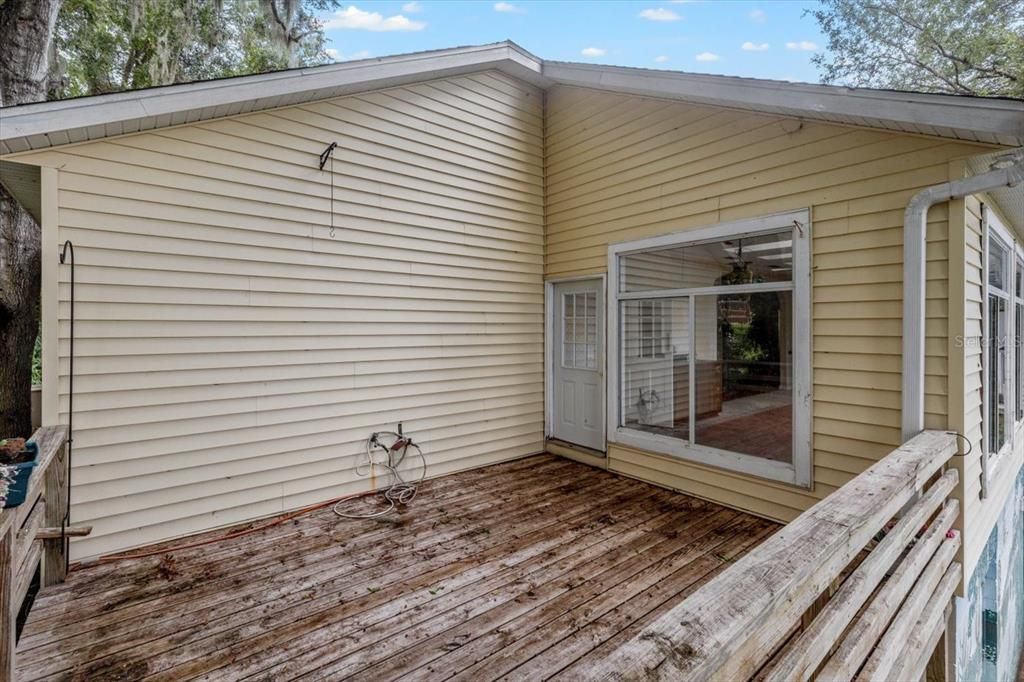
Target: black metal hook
[[67, 249], [325, 154]]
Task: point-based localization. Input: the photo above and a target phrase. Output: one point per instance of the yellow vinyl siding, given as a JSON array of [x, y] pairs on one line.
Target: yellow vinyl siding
[[979, 516], [621, 168], [232, 357]]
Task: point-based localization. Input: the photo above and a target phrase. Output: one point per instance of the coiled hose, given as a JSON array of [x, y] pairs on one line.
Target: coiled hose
[[400, 491]]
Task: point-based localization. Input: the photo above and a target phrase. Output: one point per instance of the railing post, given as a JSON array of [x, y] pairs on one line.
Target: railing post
[[55, 494], [8, 609]]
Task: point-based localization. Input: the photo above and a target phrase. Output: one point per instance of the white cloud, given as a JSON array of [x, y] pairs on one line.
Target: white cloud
[[805, 45], [593, 52], [412, 7], [508, 7], [354, 18], [758, 15], [661, 59], [707, 57], [660, 14], [339, 57], [754, 47]]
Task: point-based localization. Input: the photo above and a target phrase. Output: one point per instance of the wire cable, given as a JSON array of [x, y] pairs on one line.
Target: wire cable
[[400, 491]]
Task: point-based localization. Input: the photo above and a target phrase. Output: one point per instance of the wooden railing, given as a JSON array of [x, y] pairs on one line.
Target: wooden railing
[[858, 586], [31, 538]]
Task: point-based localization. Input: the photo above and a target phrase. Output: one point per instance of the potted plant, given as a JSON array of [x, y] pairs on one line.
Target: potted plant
[[17, 462]]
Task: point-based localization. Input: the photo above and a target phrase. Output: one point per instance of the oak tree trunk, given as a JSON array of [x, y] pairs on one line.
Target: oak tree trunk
[[26, 37], [19, 314]]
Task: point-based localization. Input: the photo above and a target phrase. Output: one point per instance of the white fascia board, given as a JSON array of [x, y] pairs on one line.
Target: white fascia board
[[34, 121], [1003, 118]]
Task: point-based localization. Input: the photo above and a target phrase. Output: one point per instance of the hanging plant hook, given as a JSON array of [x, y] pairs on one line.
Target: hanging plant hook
[[325, 154]]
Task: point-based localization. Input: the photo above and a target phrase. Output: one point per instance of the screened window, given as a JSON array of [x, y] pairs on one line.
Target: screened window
[[708, 333]]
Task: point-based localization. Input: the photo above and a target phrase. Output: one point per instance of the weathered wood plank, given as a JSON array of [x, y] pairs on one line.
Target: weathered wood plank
[[8, 605], [466, 595], [610, 540], [886, 656], [278, 592], [802, 656], [55, 533], [561, 642], [299, 534], [510, 619], [55, 484], [117, 581], [729, 628], [912, 661], [860, 639]]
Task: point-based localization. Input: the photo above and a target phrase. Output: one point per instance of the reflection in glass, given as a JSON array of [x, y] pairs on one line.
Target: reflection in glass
[[655, 362], [745, 374], [742, 260]]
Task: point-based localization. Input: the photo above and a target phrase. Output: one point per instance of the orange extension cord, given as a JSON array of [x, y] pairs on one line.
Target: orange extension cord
[[229, 536]]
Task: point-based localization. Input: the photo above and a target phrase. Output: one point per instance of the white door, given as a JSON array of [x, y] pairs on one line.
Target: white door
[[578, 363]]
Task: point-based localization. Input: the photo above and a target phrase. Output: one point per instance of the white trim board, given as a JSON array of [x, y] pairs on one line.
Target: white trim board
[[800, 471]]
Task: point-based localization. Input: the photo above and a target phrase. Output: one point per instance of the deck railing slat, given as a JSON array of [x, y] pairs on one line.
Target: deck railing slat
[[735, 623], [802, 656]]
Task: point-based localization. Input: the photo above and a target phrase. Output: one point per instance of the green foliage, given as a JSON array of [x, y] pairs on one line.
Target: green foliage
[[37, 362], [112, 45], [964, 47]]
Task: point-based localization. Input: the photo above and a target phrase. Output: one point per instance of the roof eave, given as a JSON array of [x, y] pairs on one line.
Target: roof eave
[[42, 125], [990, 121]]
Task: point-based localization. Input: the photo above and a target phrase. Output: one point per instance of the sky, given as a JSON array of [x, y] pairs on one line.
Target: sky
[[766, 39]]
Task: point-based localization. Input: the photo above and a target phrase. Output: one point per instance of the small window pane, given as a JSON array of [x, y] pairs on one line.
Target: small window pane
[[744, 373], [997, 373], [997, 264], [742, 260], [568, 355], [1019, 359], [655, 364]]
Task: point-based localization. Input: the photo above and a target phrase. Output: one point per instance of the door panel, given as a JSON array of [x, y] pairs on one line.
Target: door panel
[[578, 363]]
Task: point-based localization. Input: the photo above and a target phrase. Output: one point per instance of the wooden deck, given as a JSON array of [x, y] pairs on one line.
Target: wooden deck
[[524, 570]]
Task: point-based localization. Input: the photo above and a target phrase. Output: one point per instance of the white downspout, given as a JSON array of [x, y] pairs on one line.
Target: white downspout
[[915, 226]]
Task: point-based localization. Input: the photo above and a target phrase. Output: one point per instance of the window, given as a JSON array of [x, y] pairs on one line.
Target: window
[[998, 344], [1018, 335], [713, 346], [579, 317], [1003, 376]]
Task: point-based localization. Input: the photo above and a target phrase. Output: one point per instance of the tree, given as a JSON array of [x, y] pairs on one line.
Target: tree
[[112, 45], [26, 47], [88, 47], [961, 47]]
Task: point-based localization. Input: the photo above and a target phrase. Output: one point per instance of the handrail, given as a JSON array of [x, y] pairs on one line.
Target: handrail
[[821, 598], [26, 536]]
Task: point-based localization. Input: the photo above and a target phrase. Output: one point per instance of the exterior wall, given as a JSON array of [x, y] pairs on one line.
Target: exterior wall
[[233, 352], [990, 619], [979, 516], [620, 168]]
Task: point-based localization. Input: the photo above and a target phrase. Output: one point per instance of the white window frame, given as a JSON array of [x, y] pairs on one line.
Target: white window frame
[[993, 227], [799, 471]]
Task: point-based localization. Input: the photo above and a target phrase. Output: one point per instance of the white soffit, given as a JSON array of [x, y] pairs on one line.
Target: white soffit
[[1009, 200]]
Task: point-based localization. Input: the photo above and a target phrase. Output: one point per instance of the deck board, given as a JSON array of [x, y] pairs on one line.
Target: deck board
[[521, 570]]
